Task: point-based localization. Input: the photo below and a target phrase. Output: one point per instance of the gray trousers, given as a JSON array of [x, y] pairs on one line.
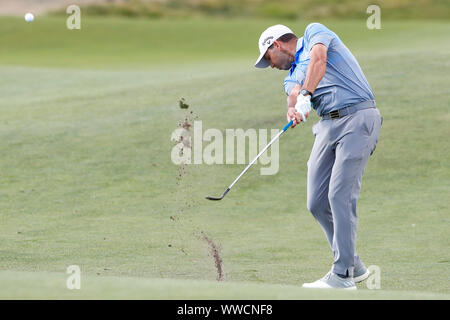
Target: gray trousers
[[335, 169]]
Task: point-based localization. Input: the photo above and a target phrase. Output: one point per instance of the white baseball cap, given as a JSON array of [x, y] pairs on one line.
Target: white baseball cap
[[266, 39]]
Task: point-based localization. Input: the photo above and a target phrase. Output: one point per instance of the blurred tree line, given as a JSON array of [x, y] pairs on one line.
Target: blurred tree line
[[281, 9]]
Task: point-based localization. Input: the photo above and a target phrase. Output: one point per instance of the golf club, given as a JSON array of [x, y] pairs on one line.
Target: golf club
[[251, 163]]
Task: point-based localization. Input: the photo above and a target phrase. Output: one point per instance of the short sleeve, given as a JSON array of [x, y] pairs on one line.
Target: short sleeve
[[297, 77], [318, 33], [288, 85]]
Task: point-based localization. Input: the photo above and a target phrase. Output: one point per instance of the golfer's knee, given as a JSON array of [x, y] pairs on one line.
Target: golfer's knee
[[334, 197], [341, 196], [314, 206]]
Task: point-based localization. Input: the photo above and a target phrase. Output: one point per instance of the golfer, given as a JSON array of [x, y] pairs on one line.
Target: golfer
[[324, 75]]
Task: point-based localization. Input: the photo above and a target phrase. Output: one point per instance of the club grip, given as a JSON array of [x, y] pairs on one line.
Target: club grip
[[288, 125]]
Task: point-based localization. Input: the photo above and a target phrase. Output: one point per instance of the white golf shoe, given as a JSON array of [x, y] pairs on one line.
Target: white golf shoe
[[360, 274], [332, 281]]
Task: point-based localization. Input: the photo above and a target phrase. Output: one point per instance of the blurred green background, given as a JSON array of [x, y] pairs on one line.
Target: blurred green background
[[281, 9]]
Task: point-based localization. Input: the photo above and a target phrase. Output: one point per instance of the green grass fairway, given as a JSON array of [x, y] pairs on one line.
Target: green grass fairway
[[86, 176], [44, 285]]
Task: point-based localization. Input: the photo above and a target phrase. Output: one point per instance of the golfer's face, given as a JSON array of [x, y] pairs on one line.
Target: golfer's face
[[278, 59]]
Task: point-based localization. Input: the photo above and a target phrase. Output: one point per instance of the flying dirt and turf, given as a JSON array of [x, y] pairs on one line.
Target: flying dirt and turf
[[87, 177]]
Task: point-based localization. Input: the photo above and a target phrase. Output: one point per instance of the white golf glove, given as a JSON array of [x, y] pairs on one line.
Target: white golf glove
[[303, 105]]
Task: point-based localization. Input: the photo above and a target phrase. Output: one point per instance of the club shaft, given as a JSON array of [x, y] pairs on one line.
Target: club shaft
[[254, 160], [259, 154]]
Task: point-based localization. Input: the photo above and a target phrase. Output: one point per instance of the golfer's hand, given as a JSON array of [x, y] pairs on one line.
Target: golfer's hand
[[303, 106], [295, 116]]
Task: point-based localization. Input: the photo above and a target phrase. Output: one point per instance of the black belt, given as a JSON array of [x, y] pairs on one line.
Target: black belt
[[336, 114]]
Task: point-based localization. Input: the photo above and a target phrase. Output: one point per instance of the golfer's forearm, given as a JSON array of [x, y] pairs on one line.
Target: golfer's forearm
[[315, 73], [316, 67]]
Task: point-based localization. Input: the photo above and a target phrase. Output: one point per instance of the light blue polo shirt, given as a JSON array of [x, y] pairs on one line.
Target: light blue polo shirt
[[344, 82]]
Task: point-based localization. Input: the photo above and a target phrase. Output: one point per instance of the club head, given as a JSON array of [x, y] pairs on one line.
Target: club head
[[216, 199]]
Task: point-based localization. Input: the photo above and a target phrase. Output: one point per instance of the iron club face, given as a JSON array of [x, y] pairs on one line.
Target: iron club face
[[216, 199]]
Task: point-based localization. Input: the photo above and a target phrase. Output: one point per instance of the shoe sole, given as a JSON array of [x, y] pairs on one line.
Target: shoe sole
[[362, 277], [349, 288]]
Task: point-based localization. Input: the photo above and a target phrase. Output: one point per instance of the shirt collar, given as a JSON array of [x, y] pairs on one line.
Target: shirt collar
[[298, 50]]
